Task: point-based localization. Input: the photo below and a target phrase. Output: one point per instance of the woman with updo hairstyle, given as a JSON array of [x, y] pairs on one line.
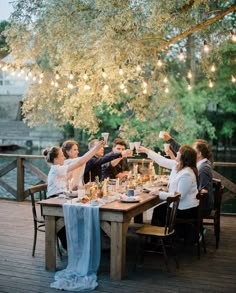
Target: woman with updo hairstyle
[[60, 173], [70, 150]]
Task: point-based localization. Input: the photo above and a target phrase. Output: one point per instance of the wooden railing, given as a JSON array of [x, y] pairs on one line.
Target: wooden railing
[[22, 163]]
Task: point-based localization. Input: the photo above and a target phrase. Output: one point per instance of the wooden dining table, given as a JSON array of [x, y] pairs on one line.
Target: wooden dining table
[[115, 218]]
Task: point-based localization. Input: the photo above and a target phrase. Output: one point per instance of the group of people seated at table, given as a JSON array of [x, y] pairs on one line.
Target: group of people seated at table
[[191, 171]]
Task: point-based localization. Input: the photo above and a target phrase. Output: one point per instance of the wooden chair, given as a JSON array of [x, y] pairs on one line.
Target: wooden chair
[[214, 218], [197, 222], [39, 222], [162, 233]]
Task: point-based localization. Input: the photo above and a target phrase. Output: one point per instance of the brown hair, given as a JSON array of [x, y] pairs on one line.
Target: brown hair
[[67, 146], [119, 141], [188, 158], [204, 148], [51, 153]]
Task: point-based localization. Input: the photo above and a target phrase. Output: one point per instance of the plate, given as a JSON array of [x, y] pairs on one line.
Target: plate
[[130, 199]]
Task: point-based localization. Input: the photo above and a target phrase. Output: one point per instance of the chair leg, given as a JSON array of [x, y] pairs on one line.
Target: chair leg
[[172, 244], [58, 248], [217, 233], [35, 239], [165, 255]]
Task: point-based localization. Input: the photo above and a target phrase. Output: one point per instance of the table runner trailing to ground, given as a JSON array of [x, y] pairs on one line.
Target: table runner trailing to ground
[[84, 248]]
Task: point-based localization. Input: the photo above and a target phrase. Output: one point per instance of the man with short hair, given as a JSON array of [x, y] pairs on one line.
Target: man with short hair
[[117, 168], [93, 166]]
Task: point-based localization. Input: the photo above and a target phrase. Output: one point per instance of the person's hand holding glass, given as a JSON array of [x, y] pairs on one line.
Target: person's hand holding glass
[[137, 145]]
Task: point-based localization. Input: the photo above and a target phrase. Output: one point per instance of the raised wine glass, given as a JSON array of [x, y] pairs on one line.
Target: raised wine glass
[[105, 136], [137, 145]]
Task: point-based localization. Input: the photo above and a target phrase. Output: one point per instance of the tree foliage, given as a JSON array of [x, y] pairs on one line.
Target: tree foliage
[[112, 48]]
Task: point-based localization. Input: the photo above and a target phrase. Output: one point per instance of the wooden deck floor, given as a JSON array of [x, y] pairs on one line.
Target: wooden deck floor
[[21, 273]]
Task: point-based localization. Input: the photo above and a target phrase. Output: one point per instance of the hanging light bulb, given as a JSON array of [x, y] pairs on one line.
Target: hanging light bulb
[[189, 74], [57, 75], [165, 80], [41, 75], [144, 84], [138, 68], [5, 67], [211, 84], [40, 81], [70, 85], [105, 88], [121, 72], [71, 76], [189, 87], [166, 90], [205, 47], [144, 91], [30, 74], [56, 84], [233, 36], [213, 68], [122, 86], [104, 75], [34, 78], [85, 76], [159, 62], [125, 90], [233, 79], [52, 83], [87, 87], [181, 55]]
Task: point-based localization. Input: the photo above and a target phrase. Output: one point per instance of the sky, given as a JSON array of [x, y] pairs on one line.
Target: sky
[[5, 9]]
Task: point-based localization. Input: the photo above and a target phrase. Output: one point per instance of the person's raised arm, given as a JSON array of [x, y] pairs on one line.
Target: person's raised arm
[[86, 157]]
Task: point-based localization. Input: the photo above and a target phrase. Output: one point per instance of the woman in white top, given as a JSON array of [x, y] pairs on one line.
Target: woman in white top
[[70, 150], [183, 179], [60, 173]]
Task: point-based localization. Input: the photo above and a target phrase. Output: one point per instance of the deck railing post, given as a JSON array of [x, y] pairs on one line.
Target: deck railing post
[[20, 179]]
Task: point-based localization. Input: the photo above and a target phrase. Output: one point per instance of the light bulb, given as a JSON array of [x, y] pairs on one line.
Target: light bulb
[[144, 84], [41, 75], [105, 88], [165, 80], [233, 36], [213, 68], [233, 79], [189, 74], [189, 87], [34, 78], [104, 75], [71, 76], [211, 84], [125, 90], [70, 85], [122, 86], [40, 81], [121, 72], [57, 75], [138, 68], [159, 62], [144, 91], [206, 47], [87, 87], [181, 55], [166, 90], [85, 77], [52, 82], [30, 74], [56, 84]]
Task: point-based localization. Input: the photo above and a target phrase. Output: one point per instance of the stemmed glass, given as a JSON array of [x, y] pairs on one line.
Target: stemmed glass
[[131, 146], [105, 136], [137, 145]]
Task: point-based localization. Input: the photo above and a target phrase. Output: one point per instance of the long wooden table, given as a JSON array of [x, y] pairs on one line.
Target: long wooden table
[[114, 220]]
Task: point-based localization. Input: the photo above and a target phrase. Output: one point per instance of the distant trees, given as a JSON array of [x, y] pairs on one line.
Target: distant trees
[[4, 48]]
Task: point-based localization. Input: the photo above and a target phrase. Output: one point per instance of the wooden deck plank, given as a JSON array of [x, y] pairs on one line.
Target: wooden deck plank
[[20, 272]]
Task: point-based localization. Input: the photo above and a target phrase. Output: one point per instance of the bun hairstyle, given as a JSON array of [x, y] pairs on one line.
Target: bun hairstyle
[[188, 158], [51, 153], [67, 146], [204, 148]]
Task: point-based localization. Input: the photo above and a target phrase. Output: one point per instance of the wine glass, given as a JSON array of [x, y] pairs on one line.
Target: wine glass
[[137, 145], [105, 136], [131, 146]]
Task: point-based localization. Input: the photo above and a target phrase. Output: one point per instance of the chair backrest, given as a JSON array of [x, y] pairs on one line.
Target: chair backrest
[[201, 196], [218, 191], [172, 206], [41, 190]]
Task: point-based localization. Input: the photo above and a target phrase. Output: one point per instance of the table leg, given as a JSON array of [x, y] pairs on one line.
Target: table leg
[[118, 250], [50, 243]]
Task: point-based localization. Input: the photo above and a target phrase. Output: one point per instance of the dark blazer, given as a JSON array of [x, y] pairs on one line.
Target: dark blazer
[[93, 166], [109, 171]]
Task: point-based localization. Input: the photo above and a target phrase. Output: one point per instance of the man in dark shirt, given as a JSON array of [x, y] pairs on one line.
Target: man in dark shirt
[[93, 166], [117, 168]]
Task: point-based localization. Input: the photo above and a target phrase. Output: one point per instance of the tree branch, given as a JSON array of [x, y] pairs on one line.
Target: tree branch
[[190, 31]]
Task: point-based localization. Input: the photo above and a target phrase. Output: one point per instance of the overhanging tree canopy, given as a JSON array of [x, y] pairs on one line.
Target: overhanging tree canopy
[[96, 53]]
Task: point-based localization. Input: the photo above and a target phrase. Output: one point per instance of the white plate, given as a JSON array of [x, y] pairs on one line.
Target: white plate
[[130, 199]]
